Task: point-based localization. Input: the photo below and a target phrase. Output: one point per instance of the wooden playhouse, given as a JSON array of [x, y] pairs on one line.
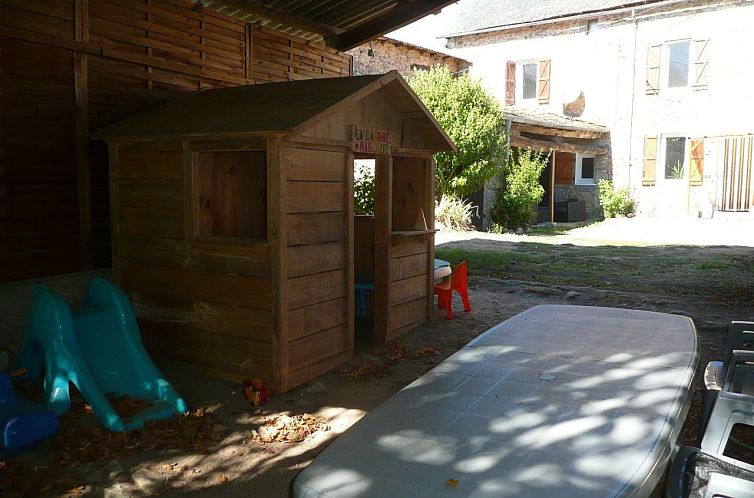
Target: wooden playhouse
[[233, 226]]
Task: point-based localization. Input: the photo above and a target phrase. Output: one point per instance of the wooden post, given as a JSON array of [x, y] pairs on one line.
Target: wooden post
[[248, 52], [114, 211], [552, 187], [278, 243], [81, 96], [350, 278], [429, 213], [383, 221]]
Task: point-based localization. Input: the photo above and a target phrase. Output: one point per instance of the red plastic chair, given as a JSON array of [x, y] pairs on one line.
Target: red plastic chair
[[444, 290]]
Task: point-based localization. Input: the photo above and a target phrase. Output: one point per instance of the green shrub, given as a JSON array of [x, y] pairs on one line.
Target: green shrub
[[516, 201], [363, 191], [615, 202], [453, 213], [472, 119]]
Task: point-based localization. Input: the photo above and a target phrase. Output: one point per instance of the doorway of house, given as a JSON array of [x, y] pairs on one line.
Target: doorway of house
[[363, 248]]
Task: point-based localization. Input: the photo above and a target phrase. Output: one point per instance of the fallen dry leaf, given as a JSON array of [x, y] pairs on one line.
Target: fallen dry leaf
[[288, 428], [452, 483]]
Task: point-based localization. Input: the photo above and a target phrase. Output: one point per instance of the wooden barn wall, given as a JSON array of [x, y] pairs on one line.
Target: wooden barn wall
[[200, 301], [68, 67], [319, 193]]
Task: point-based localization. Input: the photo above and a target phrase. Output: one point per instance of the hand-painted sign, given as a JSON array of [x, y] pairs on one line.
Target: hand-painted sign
[[369, 141]]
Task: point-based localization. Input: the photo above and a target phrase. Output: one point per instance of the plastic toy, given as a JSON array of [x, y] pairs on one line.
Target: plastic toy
[[254, 391], [98, 349], [22, 422]]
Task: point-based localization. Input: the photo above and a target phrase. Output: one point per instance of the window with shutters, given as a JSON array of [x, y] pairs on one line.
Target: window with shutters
[[678, 63], [532, 81], [528, 80], [674, 157]]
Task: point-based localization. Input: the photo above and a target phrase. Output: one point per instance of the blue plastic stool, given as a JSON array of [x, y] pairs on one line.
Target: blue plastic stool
[[361, 298]]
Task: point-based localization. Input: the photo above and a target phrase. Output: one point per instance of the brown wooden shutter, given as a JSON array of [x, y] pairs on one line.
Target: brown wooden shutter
[[653, 69], [650, 161], [510, 83], [696, 172], [701, 64], [543, 84]]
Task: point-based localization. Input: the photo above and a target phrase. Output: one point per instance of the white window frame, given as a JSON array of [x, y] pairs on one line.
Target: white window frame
[[660, 175], [520, 81], [578, 180], [665, 67]]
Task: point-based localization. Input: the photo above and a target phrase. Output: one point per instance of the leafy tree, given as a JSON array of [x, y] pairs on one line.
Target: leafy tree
[[473, 120], [363, 190], [515, 203]]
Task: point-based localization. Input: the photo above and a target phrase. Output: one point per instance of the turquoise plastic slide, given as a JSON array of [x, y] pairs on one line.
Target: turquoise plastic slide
[[98, 349]]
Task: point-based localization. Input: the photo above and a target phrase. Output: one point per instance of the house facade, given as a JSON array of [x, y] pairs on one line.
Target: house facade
[[665, 77]]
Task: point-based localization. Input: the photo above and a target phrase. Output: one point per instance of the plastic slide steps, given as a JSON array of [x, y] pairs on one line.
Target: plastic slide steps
[[22, 422], [98, 349]]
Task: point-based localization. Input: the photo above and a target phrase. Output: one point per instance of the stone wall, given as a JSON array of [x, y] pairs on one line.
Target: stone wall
[[390, 54]]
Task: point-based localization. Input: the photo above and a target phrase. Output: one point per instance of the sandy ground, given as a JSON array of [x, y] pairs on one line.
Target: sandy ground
[[235, 466]]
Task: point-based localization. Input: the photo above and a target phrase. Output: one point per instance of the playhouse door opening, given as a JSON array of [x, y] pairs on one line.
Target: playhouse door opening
[[363, 248]]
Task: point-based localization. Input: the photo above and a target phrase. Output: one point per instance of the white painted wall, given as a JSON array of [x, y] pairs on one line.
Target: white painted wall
[[609, 65]]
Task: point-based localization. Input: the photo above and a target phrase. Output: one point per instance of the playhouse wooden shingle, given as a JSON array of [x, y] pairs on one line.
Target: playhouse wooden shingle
[[272, 109]]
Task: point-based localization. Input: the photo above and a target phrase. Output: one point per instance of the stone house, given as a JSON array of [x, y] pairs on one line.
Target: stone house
[[384, 54], [664, 77]]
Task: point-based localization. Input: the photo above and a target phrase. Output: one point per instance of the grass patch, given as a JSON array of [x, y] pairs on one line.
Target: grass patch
[[662, 270]]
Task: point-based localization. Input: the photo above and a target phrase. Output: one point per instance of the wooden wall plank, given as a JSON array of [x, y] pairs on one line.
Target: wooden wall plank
[[311, 289], [319, 316], [310, 259], [408, 313], [253, 292], [408, 266], [410, 289], [313, 197], [314, 347], [315, 228]]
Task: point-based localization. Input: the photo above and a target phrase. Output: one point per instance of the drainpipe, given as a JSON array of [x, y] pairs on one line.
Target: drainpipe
[[633, 101]]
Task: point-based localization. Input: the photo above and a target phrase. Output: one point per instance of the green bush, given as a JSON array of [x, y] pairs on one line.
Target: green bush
[[453, 213], [472, 119], [363, 191], [615, 202], [516, 201]]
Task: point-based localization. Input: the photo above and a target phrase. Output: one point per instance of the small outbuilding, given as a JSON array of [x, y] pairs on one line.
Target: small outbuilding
[[233, 225]]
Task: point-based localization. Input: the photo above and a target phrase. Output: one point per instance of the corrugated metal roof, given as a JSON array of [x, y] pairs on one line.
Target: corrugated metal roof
[[479, 15], [341, 24]]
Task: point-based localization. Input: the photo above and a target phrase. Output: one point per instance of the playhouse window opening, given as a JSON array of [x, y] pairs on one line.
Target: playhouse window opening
[[230, 192]]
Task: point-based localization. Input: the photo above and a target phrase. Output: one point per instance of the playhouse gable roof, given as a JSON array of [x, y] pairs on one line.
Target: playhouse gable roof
[[272, 109]]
